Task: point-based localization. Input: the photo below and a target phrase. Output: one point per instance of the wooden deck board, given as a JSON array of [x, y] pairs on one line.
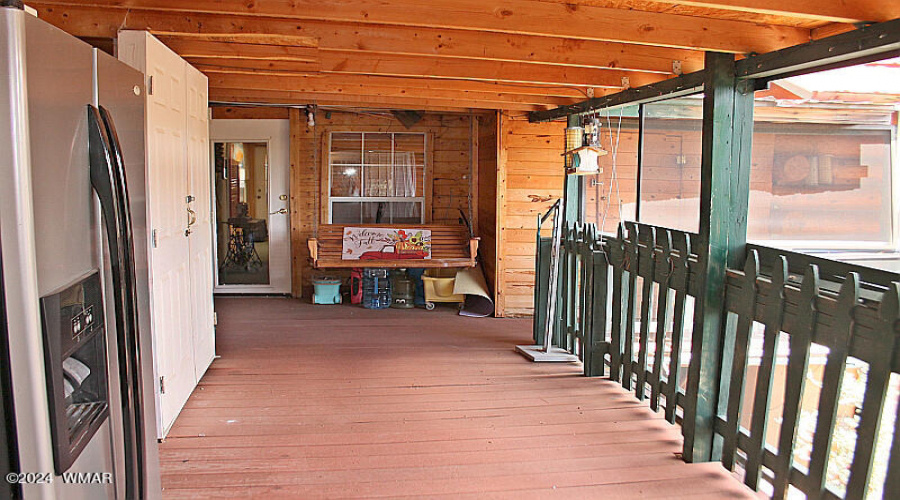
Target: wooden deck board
[[338, 402]]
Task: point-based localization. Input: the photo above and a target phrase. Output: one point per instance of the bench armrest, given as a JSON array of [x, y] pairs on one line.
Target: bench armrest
[[473, 247], [313, 248]]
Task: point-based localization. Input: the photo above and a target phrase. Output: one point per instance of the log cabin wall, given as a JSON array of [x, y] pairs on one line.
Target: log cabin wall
[[487, 202], [449, 179], [530, 180]]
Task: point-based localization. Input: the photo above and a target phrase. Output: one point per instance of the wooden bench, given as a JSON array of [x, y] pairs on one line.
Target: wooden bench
[[451, 246]]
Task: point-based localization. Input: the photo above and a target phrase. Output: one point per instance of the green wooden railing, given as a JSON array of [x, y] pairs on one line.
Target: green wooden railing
[[849, 317], [627, 305]]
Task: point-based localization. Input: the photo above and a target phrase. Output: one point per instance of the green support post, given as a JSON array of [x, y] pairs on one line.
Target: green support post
[[724, 195]]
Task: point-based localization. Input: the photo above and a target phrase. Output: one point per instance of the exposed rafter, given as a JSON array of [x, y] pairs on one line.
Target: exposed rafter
[[528, 17], [436, 103], [505, 54], [347, 82], [382, 39], [407, 66], [366, 86], [839, 11]]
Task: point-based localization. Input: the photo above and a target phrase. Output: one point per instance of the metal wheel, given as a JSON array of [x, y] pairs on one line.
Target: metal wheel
[[429, 306]]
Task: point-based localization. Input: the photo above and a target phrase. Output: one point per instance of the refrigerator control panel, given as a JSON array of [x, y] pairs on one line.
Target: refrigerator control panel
[[75, 312]]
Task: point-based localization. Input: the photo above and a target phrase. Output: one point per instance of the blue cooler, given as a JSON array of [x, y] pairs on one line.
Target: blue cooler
[[327, 291]]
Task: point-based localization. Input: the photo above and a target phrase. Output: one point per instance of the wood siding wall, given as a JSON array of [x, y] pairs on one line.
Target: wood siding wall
[[530, 180], [450, 176], [486, 205]]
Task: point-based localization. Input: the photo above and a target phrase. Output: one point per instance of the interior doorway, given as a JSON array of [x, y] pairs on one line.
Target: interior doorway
[[250, 164]]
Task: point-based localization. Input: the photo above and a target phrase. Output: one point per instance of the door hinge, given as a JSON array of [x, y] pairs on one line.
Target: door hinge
[[150, 85], [215, 319], [162, 385], [153, 238]]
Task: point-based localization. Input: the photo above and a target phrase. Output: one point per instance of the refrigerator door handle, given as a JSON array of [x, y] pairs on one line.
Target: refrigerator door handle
[[108, 180]]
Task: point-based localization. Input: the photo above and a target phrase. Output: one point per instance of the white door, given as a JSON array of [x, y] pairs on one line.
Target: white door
[[170, 255], [200, 223], [250, 164]]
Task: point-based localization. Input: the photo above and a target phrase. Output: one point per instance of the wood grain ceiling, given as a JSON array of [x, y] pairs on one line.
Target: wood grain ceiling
[[516, 55]]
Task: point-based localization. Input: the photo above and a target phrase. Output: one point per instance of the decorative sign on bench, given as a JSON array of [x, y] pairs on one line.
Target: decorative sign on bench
[[367, 243]]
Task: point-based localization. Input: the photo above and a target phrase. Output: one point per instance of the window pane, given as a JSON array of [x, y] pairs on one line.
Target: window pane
[[376, 212], [378, 149], [345, 180], [670, 174], [610, 197], [814, 181], [346, 149], [378, 180], [242, 212], [412, 145], [345, 212], [406, 212]]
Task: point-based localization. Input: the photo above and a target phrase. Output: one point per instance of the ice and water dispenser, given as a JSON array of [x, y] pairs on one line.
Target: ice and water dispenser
[[76, 364]]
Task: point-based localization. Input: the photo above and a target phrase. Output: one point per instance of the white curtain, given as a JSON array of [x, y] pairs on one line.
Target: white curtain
[[386, 178]]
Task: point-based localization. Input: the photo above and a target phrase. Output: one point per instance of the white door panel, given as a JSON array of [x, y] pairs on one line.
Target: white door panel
[[181, 246], [201, 236], [166, 114]]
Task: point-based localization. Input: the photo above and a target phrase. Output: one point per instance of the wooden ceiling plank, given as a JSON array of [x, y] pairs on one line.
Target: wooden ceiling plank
[[405, 40], [836, 11], [527, 17], [317, 85], [415, 67], [431, 85], [230, 50], [831, 30], [303, 98], [485, 101], [267, 39]]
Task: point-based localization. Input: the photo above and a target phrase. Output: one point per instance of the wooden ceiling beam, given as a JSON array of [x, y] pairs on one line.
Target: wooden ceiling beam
[[323, 99], [249, 113], [417, 67], [332, 86], [837, 11], [290, 82], [524, 17], [265, 39], [225, 50], [369, 39]]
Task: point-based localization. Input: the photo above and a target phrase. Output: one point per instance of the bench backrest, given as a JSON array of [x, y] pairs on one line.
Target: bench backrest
[[447, 242]]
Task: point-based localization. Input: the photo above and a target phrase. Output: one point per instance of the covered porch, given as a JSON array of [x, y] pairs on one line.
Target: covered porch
[[339, 401]]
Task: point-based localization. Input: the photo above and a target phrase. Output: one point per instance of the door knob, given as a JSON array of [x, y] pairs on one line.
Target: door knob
[[282, 211]]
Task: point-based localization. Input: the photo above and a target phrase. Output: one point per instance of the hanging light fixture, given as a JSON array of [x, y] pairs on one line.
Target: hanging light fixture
[[311, 115]]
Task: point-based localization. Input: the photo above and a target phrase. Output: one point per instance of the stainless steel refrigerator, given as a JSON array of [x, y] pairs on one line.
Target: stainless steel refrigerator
[[74, 265]]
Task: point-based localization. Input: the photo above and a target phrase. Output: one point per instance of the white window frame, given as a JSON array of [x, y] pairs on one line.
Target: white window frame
[[376, 199]]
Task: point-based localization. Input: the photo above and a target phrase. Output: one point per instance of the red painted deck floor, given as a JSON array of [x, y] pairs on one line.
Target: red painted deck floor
[[337, 401]]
